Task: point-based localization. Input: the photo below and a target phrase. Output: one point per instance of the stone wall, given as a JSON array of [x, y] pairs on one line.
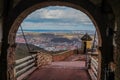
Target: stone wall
[[0, 30], [63, 55], [117, 54], [43, 59], [115, 5]]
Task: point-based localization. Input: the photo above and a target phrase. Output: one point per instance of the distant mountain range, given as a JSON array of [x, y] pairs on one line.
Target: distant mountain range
[[60, 31]]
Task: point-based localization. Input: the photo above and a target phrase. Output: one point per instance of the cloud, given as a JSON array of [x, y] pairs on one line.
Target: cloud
[[57, 12], [56, 26], [53, 17], [47, 13]]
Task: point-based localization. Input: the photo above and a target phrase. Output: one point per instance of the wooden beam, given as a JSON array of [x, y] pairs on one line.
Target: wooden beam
[[23, 76], [24, 59], [22, 71], [24, 64]]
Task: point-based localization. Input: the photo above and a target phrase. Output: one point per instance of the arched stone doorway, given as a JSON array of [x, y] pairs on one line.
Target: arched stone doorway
[[20, 12]]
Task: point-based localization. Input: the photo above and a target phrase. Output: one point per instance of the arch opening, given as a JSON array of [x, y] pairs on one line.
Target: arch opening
[[55, 20], [29, 10]]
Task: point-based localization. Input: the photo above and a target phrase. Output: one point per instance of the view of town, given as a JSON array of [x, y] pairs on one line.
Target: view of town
[[52, 41]]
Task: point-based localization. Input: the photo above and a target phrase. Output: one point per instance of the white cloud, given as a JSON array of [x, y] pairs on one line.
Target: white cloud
[[48, 12], [72, 17], [53, 14]]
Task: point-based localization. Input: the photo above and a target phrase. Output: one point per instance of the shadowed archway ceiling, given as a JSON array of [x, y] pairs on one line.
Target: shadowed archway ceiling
[[114, 3]]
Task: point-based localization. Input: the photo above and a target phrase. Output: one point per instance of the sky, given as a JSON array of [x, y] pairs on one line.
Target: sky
[[57, 18]]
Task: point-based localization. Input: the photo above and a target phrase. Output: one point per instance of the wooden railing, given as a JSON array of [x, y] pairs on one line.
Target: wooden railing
[[25, 66], [93, 70]]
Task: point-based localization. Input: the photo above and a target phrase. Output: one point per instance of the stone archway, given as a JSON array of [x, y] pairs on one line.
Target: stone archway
[[19, 13], [22, 14]]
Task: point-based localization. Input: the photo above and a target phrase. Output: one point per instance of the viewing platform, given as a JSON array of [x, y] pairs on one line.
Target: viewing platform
[[41, 66], [67, 70]]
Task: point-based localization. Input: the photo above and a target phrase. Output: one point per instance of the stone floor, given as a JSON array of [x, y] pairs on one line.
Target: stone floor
[[59, 74], [67, 64], [64, 70]]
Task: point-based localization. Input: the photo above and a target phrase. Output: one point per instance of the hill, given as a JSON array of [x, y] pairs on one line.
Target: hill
[[61, 40], [22, 50]]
